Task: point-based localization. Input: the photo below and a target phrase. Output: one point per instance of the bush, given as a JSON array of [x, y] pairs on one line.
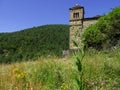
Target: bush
[[105, 33]]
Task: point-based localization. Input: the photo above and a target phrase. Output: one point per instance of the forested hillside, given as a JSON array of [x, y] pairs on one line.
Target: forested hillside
[[33, 42]]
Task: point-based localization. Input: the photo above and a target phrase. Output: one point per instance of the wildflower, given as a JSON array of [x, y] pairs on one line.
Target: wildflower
[[15, 70], [18, 73], [64, 86], [18, 76], [22, 74]]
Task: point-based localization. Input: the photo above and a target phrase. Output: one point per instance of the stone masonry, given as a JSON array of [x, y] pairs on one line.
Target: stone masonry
[[78, 24]]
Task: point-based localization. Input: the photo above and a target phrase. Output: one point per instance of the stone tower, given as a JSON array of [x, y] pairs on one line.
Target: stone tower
[[76, 25]]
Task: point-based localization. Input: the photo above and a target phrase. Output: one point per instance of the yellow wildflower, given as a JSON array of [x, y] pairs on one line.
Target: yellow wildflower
[[18, 73], [15, 70], [64, 86]]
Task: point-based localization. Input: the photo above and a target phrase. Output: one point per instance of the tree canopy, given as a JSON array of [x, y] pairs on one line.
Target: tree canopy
[[34, 42], [105, 33]]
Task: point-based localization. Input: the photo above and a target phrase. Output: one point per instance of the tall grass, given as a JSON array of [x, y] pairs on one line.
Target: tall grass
[[101, 72], [44, 74]]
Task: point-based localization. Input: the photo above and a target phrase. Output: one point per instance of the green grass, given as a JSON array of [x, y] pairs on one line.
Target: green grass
[[101, 71]]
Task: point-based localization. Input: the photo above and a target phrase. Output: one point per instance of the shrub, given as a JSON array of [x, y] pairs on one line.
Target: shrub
[[105, 33]]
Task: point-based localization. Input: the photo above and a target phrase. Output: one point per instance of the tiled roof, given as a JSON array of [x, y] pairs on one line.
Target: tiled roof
[[92, 18]]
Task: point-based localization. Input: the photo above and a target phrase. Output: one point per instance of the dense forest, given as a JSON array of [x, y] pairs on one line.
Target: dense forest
[[47, 40]]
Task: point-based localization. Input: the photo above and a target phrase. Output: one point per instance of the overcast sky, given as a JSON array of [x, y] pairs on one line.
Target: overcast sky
[[21, 14]]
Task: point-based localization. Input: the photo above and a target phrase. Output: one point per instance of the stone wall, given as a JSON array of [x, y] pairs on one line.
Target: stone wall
[[75, 32], [80, 11], [78, 24], [87, 23], [78, 30]]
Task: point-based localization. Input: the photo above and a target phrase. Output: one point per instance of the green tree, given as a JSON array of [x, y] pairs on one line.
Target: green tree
[[34, 42], [105, 33]]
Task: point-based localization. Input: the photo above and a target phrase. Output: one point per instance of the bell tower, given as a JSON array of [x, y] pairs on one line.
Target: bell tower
[[76, 25]]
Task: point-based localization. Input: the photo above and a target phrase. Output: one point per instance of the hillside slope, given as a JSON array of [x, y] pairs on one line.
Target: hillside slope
[[33, 42]]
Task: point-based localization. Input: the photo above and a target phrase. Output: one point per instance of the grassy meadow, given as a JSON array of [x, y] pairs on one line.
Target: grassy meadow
[[101, 71]]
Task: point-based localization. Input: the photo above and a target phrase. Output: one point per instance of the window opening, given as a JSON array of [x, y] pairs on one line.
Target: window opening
[[75, 15]]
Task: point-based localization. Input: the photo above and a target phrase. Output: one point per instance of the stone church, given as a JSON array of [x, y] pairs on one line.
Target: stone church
[[78, 24]]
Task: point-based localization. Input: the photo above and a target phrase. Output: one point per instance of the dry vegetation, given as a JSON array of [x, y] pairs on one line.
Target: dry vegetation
[[101, 72]]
